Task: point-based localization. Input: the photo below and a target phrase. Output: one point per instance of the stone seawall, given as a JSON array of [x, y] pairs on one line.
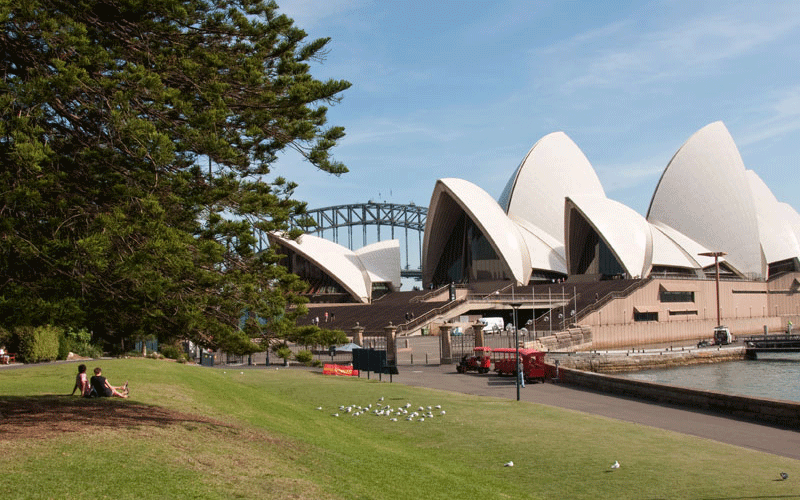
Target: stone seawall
[[622, 362], [764, 411]]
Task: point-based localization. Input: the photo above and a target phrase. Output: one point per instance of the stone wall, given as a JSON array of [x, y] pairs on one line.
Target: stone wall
[[765, 411], [628, 361], [572, 339]]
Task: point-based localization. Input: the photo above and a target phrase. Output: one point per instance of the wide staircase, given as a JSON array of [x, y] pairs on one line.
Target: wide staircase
[[412, 310], [399, 308]]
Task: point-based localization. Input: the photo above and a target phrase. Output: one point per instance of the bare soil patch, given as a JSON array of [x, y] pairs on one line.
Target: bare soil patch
[[43, 416]]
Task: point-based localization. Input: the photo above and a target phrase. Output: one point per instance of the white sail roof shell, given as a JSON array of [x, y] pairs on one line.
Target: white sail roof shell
[[382, 262], [691, 248], [338, 262], [546, 253], [704, 194], [792, 218], [625, 231], [501, 233], [666, 252], [553, 169], [778, 239]]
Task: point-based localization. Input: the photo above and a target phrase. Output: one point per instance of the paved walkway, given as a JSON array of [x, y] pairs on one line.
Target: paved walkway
[[696, 423]]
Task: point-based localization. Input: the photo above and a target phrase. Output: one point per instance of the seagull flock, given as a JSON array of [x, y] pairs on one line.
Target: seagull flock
[[379, 409]]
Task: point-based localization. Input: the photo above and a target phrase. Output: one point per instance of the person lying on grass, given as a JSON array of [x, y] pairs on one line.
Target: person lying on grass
[[81, 382], [104, 389]]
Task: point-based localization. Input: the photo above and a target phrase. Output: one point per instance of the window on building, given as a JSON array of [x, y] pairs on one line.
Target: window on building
[[683, 313], [667, 296], [645, 316]]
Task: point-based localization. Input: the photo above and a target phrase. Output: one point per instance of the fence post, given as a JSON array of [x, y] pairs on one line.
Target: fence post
[[390, 331], [358, 335], [446, 349], [477, 329]]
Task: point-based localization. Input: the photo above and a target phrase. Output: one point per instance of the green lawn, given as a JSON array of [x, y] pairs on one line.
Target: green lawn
[[258, 434]]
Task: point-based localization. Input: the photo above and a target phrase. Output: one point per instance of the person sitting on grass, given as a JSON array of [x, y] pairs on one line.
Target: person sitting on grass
[[81, 382], [104, 389]]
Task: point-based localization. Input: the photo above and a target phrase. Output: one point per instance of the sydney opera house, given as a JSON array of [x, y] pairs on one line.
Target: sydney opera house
[[711, 224]]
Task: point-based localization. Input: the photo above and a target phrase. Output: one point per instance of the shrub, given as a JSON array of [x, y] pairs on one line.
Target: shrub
[[78, 342], [316, 363], [171, 351], [38, 344], [185, 357], [5, 337], [283, 352], [304, 357]]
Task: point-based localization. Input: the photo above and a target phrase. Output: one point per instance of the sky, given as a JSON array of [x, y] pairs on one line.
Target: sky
[[465, 88]]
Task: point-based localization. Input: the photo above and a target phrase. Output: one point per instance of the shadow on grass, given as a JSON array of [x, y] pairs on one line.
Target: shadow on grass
[[41, 416]]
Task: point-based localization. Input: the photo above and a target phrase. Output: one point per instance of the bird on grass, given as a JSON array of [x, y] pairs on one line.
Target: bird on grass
[[784, 476], [509, 464], [615, 465]]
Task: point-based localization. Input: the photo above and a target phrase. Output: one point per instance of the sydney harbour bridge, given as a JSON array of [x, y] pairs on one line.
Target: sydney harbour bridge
[[375, 222]]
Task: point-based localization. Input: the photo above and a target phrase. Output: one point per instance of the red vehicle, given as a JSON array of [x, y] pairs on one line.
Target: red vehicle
[[480, 362], [532, 363]]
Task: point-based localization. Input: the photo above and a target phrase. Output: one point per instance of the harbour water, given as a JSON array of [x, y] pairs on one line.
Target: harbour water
[[771, 376]]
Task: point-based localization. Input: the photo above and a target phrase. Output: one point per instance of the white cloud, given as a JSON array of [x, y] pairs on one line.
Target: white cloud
[[619, 177], [783, 118], [619, 55], [380, 132], [308, 14]]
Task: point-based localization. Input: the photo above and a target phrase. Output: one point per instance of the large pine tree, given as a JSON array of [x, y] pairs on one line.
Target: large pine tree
[[137, 139]]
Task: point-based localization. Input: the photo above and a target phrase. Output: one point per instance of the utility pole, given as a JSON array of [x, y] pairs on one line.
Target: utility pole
[[716, 256]]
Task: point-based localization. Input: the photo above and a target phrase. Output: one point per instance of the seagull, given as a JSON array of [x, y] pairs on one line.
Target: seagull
[[615, 465], [393, 419], [784, 476], [381, 398], [319, 407], [508, 464], [444, 412], [335, 414], [438, 407]]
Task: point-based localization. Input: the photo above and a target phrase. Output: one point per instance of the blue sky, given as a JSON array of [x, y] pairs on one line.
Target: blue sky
[[465, 88]]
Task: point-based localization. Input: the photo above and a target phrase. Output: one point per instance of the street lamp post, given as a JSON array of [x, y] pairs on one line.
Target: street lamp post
[[515, 306], [716, 256]]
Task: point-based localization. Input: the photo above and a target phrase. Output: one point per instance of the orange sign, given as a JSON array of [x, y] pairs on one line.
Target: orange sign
[[330, 369]]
